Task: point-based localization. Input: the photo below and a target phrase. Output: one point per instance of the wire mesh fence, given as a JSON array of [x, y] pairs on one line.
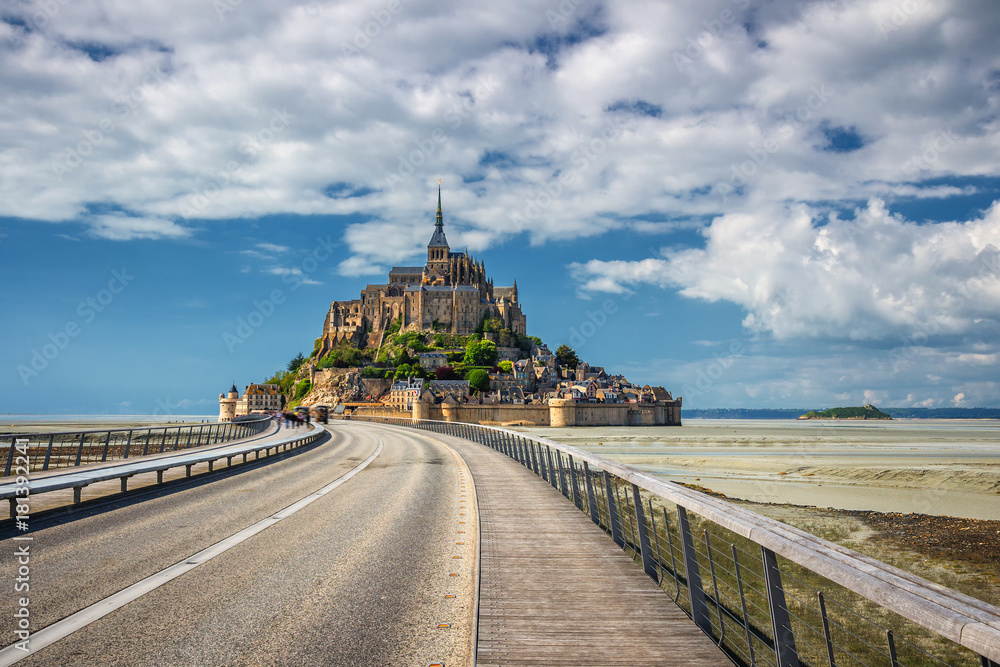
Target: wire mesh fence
[[75, 448]]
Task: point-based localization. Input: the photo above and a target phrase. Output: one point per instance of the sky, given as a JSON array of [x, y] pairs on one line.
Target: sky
[[753, 203]]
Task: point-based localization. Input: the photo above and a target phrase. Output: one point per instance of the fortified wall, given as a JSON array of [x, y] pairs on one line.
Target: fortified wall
[[559, 412]]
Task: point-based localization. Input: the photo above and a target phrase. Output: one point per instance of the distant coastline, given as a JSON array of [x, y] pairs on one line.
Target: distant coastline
[[795, 413]]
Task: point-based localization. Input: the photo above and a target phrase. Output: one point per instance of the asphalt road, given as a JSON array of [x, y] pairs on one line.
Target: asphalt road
[[358, 577]]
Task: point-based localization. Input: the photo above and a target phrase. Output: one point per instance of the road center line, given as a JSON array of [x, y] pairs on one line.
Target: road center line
[[67, 626]]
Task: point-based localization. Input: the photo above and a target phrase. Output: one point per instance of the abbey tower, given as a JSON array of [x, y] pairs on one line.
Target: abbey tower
[[451, 293]]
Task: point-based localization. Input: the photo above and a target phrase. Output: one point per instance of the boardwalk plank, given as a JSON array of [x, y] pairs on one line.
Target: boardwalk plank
[[555, 590]]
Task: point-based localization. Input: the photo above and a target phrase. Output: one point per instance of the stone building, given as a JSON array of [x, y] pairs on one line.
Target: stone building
[[256, 397], [451, 293]]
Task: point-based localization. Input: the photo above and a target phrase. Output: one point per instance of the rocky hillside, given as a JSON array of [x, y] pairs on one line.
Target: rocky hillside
[[346, 386]]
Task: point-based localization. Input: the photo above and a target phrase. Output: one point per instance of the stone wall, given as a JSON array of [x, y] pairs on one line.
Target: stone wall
[[558, 413]]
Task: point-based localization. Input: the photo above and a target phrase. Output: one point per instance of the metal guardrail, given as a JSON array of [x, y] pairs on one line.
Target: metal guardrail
[[765, 592], [66, 449], [14, 491]]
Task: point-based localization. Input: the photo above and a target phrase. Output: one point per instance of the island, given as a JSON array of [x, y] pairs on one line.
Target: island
[[867, 412]]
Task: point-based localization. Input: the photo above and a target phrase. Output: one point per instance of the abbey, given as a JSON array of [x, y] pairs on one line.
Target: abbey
[[451, 293]]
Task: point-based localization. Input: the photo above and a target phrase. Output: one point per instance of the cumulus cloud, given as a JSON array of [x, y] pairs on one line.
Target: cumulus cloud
[[799, 273], [554, 121]]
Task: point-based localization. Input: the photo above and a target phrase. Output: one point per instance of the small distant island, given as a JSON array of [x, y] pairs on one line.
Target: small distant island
[[867, 412]]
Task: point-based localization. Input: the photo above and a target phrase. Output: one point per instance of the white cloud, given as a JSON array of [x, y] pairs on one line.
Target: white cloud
[[121, 227], [802, 274], [301, 277], [259, 111]]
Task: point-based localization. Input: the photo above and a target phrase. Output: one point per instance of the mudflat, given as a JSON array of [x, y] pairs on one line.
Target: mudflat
[[937, 467]]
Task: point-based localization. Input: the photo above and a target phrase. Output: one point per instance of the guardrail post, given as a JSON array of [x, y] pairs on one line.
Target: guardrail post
[[645, 549], [591, 496], [696, 594], [577, 500], [79, 452], [534, 458], [128, 443], [541, 462], [781, 624], [616, 529]]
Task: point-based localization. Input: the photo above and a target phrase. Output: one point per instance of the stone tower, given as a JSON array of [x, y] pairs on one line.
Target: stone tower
[[227, 404]]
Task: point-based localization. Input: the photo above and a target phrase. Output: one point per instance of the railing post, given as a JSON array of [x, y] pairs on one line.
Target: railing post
[[534, 458], [163, 441], [552, 467], [822, 613], [645, 549], [616, 529], [591, 496], [145, 445], [893, 659], [48, 451], [79, 452], [696, 594], [577, 500], [107, 444], [10, 456], [746, 619], [715, 587], [673, 560], [781, 624], [541, 462], [562, 477]]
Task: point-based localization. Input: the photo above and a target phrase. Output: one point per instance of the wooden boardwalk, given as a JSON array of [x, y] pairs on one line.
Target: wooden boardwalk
[[555, 590]]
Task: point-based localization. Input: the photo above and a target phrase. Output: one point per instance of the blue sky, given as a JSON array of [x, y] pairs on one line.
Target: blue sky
[[759, 204]]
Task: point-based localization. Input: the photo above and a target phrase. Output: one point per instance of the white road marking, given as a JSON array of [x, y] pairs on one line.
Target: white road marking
[[67, 626]]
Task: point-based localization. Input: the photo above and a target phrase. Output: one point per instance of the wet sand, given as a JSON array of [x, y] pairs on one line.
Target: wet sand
[[56, 424], [939, 467]]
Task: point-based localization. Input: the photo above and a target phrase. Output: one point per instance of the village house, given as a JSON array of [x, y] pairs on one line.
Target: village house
[[403, 393]]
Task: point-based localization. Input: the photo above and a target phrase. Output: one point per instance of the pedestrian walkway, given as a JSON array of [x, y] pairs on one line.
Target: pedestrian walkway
[[554, 588]]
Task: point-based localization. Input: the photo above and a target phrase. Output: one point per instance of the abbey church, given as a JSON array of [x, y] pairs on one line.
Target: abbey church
[[449, 294]]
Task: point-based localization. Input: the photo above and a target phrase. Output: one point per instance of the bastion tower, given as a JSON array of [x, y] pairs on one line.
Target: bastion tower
[[227, 405]]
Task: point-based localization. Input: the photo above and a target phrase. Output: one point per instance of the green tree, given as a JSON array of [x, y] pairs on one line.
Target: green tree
[[302, 389], [567, 357], [296, 362], [506, 366], [403, 371], [480, 353], [479, 380]]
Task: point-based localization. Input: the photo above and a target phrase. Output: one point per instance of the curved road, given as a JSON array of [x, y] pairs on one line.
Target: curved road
[[362, 576]]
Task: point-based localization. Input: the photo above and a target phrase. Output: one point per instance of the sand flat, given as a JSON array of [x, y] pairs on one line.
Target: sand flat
[[943, 467]]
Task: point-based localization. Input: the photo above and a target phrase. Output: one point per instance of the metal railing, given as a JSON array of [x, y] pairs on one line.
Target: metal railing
[[67, 449], [765, 592], [12, 491]]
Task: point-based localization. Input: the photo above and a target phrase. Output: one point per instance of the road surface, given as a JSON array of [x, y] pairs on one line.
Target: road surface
[[359, 576]]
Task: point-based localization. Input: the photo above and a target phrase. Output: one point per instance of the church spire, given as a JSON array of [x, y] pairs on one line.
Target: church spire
[[439, 222], [438, 239]]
